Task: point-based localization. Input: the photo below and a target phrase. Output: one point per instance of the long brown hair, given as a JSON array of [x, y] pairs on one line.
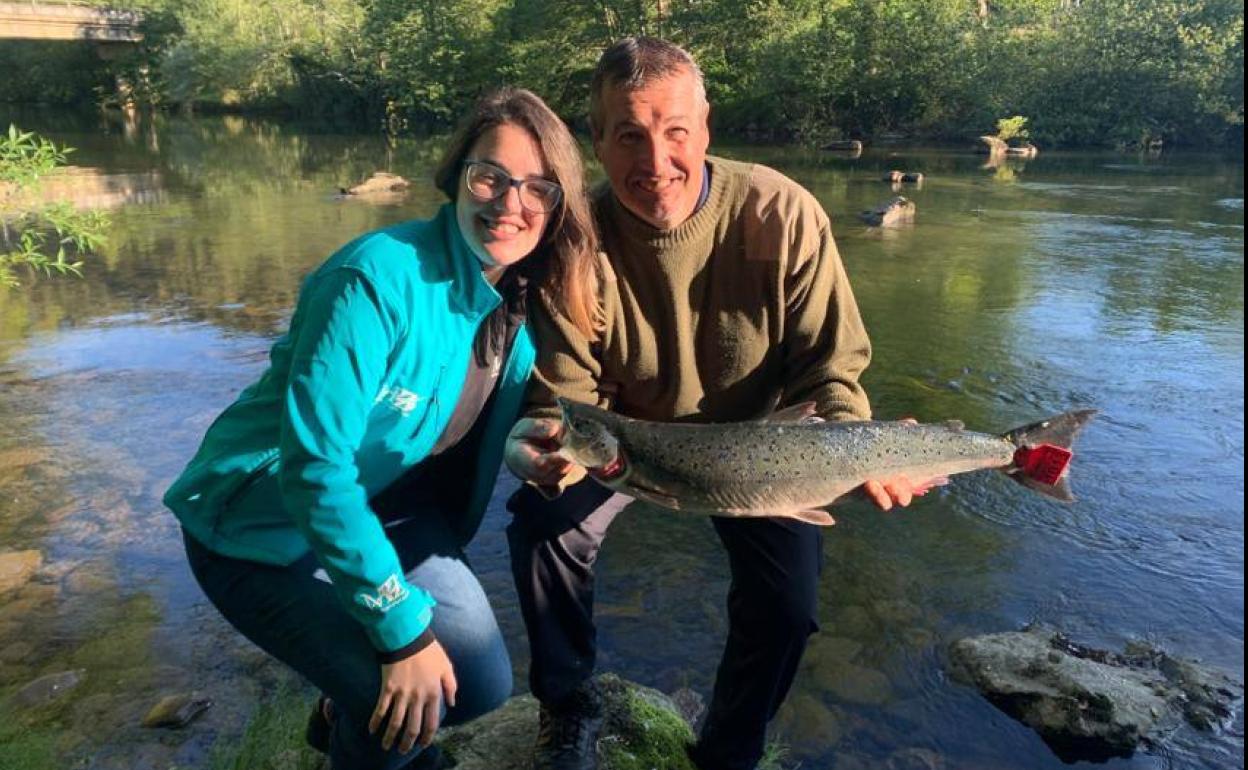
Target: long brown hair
[[564, 266]]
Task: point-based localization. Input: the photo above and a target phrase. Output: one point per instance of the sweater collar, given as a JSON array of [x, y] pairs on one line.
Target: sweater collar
[[699, 225], [470, 291]]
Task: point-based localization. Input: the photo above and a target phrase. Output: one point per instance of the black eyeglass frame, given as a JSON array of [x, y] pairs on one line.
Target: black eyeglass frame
[[512, 182]]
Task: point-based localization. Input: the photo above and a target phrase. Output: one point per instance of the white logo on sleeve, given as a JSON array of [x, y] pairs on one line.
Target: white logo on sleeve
[[399, 399], [388, 594]]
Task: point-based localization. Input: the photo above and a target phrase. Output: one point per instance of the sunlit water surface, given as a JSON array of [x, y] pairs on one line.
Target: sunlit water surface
[[1076, 280]]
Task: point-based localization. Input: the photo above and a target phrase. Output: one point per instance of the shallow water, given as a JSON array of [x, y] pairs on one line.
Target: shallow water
[[1072, 280]]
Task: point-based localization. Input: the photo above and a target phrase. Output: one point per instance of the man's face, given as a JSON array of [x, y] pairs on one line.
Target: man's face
[[652, 143]]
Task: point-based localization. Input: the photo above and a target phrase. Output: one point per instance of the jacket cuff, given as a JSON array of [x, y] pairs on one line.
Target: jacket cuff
[[425, 639]]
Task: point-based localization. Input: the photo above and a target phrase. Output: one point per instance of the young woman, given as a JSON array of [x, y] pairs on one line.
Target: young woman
[[326, 511]]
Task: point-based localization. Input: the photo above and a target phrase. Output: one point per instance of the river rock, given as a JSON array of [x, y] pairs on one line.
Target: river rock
[[17, 567], [1090, 704], [642, 728], [898, 210], [380, 182], [176, 711], [48, 688]]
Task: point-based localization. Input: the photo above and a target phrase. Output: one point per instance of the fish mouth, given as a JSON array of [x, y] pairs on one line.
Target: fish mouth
[[612, 470]]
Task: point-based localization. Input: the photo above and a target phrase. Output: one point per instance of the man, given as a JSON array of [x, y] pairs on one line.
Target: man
[[723, 298]]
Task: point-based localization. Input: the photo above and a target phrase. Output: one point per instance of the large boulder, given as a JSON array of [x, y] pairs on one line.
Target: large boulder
[[1090, 704], [642, 729]]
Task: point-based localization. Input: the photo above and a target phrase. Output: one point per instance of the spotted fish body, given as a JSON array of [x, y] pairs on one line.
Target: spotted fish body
[[787, 467]]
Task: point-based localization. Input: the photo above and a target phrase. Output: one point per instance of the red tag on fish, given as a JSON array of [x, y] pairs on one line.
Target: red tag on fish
[[1044, 463]]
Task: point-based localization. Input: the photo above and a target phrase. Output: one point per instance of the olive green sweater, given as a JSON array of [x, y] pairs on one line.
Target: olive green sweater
[[743, 308]]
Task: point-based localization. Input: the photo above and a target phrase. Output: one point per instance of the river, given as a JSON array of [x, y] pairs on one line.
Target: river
[[1105, 280]]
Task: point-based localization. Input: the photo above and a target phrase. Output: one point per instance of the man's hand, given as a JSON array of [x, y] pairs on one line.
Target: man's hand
[[532, 452], [411, 693]]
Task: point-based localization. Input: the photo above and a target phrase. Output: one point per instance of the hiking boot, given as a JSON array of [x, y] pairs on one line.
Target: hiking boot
[[567, 733]]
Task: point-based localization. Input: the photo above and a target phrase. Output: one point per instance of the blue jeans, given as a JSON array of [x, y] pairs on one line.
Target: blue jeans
[[296, 617]]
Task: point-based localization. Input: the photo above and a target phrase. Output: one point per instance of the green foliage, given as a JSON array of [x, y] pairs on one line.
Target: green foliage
[[1012, 128], [1088, 72], [43, 237]]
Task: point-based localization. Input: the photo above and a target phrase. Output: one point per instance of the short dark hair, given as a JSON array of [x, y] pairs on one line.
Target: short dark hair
[[634, 63]]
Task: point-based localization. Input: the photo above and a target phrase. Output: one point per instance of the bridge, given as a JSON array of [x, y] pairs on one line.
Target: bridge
[[63, 21]]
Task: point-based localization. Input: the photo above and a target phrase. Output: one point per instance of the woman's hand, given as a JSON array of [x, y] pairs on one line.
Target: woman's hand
[[899, 490], [411, 693]]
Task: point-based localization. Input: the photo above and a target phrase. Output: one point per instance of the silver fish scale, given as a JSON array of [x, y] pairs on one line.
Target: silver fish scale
[[770, 466]]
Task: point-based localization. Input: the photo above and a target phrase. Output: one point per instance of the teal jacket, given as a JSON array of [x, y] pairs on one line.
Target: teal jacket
[[358, 392]]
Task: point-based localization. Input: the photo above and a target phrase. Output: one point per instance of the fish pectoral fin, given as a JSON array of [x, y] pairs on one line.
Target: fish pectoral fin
[[656, 496], [813, 516], [803, 412]]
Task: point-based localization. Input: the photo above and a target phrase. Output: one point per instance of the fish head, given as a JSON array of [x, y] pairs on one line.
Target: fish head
[[587, 436]]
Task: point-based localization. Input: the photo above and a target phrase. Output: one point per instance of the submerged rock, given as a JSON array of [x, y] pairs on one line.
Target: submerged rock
[[642, 729], [48, 688], [17, 567], [1090, 704]]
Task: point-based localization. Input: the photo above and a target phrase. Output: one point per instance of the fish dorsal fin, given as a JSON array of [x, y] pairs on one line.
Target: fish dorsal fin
[[802, 413]]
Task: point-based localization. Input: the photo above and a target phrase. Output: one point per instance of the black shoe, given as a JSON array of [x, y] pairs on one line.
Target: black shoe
[[567, 735], [320, 725]]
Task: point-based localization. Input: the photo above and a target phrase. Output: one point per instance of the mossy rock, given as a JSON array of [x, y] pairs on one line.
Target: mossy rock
[[642, 730]]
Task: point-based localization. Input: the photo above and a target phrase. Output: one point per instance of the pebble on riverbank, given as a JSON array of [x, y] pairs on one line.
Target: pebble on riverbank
[[176, 711]]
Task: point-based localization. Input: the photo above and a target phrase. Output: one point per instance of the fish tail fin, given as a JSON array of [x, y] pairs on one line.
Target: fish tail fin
[[1044, 453]]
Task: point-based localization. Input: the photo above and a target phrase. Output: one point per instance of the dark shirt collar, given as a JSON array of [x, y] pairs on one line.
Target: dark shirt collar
[[706, 187]]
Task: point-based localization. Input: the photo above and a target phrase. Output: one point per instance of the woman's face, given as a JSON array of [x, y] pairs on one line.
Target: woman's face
[[501, 232]]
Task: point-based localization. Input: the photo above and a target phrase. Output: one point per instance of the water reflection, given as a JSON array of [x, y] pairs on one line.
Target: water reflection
[[1089, 281]]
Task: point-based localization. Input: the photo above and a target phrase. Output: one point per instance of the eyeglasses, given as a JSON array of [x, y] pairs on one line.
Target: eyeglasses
[[488, 182]]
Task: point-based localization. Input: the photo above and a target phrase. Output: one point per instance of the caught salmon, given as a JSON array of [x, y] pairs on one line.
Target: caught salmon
[[793, 464]]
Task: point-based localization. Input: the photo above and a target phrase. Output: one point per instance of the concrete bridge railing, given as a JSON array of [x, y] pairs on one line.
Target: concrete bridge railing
[[53, 21]]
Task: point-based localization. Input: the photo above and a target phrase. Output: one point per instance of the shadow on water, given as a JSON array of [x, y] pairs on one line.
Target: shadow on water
[[1074, 280]]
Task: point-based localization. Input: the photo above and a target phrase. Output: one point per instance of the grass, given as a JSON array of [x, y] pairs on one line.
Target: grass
[[273, 738]]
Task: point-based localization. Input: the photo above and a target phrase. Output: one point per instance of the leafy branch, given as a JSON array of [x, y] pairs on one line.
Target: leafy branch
[[44, 238]]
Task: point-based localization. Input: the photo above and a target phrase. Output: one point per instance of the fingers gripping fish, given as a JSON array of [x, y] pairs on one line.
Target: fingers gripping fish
[[793, 464]]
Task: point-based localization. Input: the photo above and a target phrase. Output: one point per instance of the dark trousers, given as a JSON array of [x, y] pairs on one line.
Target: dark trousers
[[295, 616], [775, 566]]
